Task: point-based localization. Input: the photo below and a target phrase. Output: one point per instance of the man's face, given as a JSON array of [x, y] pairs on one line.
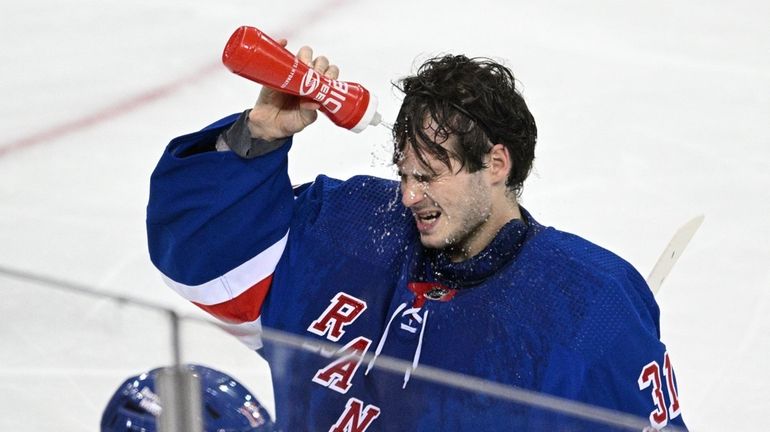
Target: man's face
[[451, 207]]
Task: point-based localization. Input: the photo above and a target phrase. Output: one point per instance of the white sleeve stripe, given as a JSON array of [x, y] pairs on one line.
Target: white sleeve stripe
[[249, 333], [236, 281]]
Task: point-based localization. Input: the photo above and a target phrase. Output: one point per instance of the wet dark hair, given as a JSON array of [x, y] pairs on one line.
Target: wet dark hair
[[473, 99]]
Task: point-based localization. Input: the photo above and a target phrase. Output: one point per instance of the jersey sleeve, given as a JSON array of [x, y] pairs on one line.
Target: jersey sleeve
[[638, 378], [617, 360], [635, 374], [217, 225]]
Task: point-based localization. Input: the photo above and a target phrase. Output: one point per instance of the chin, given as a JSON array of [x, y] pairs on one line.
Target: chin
[[432, 242], [435, 241]]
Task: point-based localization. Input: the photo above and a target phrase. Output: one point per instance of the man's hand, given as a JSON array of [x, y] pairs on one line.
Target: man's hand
[[277, 115]]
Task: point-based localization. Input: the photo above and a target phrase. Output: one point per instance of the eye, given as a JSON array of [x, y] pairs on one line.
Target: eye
[[419, 178]]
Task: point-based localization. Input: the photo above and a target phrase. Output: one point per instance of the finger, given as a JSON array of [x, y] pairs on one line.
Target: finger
[[309, 105], [305, 55], [282, 42], [320, 64], [333, 72]]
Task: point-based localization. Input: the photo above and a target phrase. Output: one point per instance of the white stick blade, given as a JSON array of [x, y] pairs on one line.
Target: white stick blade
[[672, 252]]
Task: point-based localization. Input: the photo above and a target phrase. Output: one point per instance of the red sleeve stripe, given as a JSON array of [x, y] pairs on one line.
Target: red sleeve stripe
[[245, 308], [235, 282]]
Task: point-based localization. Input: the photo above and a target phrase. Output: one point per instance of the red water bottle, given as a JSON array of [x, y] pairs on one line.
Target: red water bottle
[[254, 55]]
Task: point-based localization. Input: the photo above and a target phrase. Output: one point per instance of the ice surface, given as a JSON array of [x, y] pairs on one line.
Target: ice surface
[[649, 113]]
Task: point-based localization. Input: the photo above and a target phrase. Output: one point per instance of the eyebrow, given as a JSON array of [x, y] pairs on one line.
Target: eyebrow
[[419, 175], [424, 170]]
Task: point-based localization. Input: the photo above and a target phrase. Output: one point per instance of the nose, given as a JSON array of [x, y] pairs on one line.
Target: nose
[[411, 193]]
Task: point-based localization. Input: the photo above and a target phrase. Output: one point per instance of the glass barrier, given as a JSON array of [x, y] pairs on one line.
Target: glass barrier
[[386, 393], [64, 354]]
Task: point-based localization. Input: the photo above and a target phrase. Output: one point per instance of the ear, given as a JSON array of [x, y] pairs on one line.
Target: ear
[[499, 164]]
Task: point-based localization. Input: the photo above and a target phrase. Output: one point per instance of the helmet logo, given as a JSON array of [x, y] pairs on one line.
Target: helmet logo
[[149, 401]]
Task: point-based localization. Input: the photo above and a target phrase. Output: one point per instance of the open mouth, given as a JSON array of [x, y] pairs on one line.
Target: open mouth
[[427, 220]]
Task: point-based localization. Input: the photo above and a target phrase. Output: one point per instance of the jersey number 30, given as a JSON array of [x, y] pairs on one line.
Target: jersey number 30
[[650, 376]]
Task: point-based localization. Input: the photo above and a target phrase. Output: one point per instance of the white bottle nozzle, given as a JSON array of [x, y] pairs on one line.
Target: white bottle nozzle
[[376, 119]]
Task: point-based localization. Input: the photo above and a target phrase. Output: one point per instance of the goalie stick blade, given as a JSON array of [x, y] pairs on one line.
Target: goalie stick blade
[[672, 252]]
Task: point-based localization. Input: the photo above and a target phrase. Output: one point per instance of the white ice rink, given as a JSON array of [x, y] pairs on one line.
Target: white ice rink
[[649, 113]]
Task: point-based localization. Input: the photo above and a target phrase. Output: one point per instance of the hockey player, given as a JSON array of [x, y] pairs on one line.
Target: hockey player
[[443, 268]]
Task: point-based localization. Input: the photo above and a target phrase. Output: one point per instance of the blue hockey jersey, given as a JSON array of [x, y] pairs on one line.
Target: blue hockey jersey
[[341, 262]]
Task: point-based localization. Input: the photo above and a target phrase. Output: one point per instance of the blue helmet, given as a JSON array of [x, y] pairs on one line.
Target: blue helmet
[[227, 405]]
